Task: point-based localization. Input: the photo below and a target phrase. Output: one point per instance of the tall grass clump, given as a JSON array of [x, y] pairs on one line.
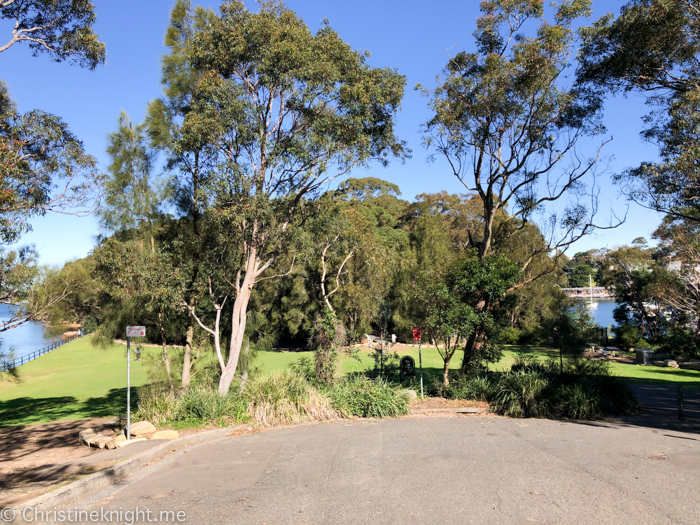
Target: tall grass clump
[[286, 398], [521, 394], [206, 404], [198, 404], [478, 387], [359, 396]]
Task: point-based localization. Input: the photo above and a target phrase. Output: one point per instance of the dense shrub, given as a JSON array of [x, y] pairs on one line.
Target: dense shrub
[[584, 389], [359, 396], [477, 387], [207, 405], [510, 335], [521, 394], [197, 404], [285, 398], [577, 401]]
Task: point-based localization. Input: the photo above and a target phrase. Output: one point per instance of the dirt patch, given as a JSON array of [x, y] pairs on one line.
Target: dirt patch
[[34, 458], [441, 402]]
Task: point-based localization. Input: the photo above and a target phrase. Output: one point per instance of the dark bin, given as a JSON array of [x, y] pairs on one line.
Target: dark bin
[[644, 357]]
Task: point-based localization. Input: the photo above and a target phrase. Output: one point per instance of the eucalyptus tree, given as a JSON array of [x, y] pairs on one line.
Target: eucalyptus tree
[[189, 144], [653, 48], [43, 166], [62, 29], [288, 111], [509, 125]]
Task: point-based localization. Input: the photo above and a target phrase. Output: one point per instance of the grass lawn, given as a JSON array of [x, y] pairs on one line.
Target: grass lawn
[[75, 381], [79, 381]]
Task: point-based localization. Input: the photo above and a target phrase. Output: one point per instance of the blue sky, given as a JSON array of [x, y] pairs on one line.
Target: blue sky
[[415, 37]]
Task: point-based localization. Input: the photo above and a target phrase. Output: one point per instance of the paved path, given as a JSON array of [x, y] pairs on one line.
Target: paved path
[[439, 470], [659, 408]]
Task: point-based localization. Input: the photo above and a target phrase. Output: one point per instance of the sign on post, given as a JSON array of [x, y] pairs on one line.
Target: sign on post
[[135, 331], [416, 337], [131, 331], [416, 333]]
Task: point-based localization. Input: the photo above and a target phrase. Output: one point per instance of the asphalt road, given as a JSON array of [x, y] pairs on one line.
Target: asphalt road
[[476, 470]]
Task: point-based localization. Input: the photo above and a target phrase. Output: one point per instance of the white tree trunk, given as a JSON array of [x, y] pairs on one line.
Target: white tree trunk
[[238, 323]]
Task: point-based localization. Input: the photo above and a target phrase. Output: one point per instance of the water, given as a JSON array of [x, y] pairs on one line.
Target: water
[[603, 314], [24, 339]]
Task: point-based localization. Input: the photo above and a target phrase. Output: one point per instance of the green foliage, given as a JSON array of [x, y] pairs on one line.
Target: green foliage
[[580, 276], [476, 387], [327, 334], [197, 404], [510, 335], [37, 154], [356, 395], [577, 401], [131, 200], [652, 48], [60, 28], [521, 394], [286, 398]]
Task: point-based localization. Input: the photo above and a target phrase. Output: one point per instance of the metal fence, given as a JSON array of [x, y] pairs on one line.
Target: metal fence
[[57, 343]]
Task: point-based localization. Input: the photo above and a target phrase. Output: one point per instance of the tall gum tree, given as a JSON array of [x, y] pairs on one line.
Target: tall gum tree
[[291, 111], [190, 151], [510, 126], [653, 48]]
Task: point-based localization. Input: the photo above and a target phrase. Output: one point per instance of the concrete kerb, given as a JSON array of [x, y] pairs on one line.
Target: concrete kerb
[[465, 410], [101, 479]]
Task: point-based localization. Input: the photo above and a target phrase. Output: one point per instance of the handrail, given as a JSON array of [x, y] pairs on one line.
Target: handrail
[[56, 343]]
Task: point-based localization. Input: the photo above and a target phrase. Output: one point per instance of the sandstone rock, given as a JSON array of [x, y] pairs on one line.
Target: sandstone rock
[[671, 363], [112, 443], [412, 395], [166, 434], [659, 363], [129, 442], [661, 356], [142, 427], [689, 365], [84, 435], [100, 441]]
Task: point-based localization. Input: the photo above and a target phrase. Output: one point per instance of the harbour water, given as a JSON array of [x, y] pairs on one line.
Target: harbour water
[[603, 313], [24, 339]]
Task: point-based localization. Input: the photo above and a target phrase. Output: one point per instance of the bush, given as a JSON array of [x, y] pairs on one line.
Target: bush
[[585, 390], [510, 335], [359, 396], [285, 398], [521, 394], [198, 404], [615, 394], [155, 404], [577, 401], [477, 387]]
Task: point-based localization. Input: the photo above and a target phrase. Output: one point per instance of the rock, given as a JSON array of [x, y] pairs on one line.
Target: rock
[[412, 395], [142, 427], [689, 365], [166, 434], [90, 439], [661, 356], [112, 443], [671, 363], [100, 441], [129, 442], [659, 363], [84, 435]]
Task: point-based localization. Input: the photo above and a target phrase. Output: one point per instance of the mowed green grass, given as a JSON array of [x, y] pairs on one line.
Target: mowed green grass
[[75, 381], [79, 381]]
